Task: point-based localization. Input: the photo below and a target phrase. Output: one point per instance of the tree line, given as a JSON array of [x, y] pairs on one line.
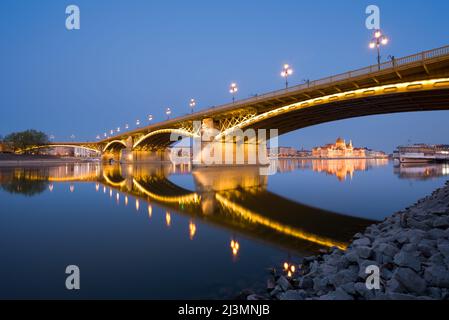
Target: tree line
[[24, 139]]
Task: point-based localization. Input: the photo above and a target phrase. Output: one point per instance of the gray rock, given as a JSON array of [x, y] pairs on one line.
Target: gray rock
[[410, 280], [387, 249], [382, 259], [352, 256], [328, 269], [276, 291], [426, 251], [340, 294], [306, 282], [415, 236], [437, 276], [406, 259], [338, 261], [410, 248], [436, 234], [349, 288], [362, 290], [441, 222], [364, 252], [362, 242], [256, 297], [293, 295], [386, 274], [393, 286], [444, 249], [320, 284], [421, 225], [435, 293], [436, 259], [284, 283], [343, 277]]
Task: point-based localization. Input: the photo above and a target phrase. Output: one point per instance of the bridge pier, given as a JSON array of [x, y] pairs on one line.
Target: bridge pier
[[238, 148]]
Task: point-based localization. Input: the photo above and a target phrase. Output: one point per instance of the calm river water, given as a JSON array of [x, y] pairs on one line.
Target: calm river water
[[165, 232]]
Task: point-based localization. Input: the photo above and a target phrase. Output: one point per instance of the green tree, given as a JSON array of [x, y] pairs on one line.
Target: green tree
[[25, 139]]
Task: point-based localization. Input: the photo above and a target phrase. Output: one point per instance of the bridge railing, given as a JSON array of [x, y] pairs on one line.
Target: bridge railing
[[400, 62]]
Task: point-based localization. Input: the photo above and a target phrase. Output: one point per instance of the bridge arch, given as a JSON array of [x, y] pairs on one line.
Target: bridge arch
[[113, 143], [162, 137], [423, 95]]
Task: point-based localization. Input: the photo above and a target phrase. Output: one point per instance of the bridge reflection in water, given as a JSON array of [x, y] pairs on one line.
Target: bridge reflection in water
[[233, 198]]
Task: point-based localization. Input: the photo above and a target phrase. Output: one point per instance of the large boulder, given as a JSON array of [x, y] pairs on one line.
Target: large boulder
[[407, 259], [410, 280], [437, 276]]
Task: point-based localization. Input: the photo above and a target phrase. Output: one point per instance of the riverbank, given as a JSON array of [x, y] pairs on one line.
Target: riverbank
[[13, 160], [410, 248]]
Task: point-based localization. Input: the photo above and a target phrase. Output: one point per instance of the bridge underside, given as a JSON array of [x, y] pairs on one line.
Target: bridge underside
[[156, 142], [387, 104]]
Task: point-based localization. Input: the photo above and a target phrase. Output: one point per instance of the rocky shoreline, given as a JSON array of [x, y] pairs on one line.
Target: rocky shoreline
[[409, 248]]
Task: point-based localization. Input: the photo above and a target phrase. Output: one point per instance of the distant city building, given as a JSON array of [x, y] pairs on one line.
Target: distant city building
[[4, 148], [69, 152], [341, 149], [304, 153], [288, 152]]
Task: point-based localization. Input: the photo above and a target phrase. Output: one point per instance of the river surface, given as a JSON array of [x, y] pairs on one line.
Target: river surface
[[170, 232]]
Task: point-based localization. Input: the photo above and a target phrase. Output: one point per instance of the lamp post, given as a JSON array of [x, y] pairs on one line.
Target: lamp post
[[126, 126], [138, 123], [233, 90], [192, 105], [378, 40], [150, 117], [118, 129], [168, 112], [286, 71]]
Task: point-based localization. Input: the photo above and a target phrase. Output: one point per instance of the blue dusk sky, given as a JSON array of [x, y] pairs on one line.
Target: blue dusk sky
[[134, 58]]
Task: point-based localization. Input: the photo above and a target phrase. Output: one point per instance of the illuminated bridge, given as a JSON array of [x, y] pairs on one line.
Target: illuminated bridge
[[418, 82]]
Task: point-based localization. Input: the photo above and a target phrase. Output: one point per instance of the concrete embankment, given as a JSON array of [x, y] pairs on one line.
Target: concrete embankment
[[410, 249]]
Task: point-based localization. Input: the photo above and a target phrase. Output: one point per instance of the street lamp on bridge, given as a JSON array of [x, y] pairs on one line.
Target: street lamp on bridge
[[378, 41], [168, 112], [118, 129], [192, 105], [126, 126], [233, 90], [286, 71], [138, 123], [150, 117]]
